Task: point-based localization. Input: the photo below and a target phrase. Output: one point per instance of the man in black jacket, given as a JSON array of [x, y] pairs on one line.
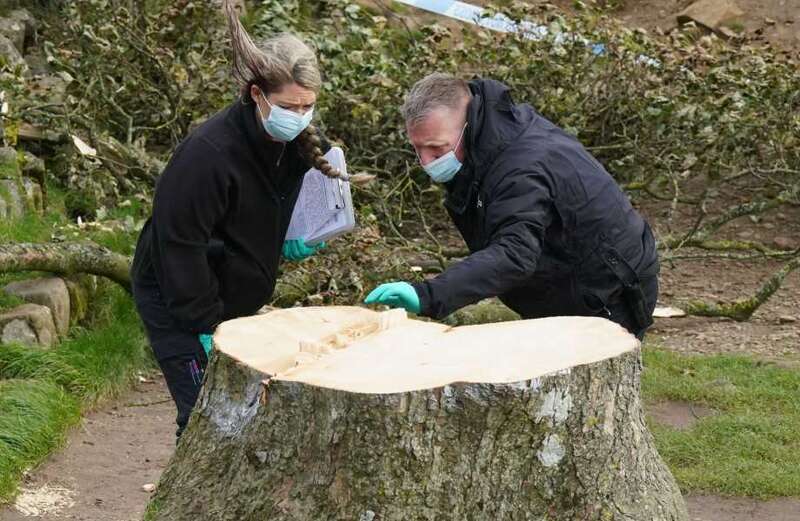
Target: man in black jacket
[[549, 230]]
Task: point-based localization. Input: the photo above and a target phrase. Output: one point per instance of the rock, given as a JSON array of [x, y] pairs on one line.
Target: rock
[[26, 19], [33, 166], [787, 319], [38, 65], [82, 289], [9, 163], [10, 55], [51, 292], [30, 132], [12, 199], [712, 14], [149, 487], [28, 324], [51, 88], [33, 170], [33, 192], [783, 243], [19, 332], [14, 30]]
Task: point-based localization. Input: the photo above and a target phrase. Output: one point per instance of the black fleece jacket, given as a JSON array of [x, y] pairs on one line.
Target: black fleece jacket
[[220, 214]]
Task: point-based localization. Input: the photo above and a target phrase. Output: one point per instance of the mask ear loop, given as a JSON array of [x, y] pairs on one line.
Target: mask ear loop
[[260, 112], [463, 129]]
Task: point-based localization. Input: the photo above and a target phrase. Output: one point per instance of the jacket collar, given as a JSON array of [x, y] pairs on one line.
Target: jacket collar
[[493, 122]]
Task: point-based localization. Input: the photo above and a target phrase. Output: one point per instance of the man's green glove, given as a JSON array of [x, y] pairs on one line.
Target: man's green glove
[[208, 343], [396, 295], [297, 250]]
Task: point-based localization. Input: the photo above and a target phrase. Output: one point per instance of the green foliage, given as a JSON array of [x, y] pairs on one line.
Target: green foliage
[[81, 204], [749, 447], [701, 116], [144, 70], [704, 112]]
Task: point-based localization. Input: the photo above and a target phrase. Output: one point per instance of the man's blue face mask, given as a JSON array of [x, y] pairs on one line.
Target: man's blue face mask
[[283, 124], [444, 168]]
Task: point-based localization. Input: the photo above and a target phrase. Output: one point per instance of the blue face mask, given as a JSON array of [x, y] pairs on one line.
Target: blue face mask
[[444, 168], [283, 124]]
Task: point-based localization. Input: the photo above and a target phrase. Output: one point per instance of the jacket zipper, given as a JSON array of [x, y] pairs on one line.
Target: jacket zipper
[[280, 156]]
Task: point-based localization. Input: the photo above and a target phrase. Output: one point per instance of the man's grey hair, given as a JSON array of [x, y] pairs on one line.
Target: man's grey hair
[[432, 92]]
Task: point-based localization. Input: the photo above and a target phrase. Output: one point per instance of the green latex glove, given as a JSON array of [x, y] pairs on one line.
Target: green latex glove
[[396, 295], [208, 343], [297, 250]]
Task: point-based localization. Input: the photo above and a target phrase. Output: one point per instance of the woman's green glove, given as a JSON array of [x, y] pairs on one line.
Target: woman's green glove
[[208, 343], [297, 250], [396, 295]]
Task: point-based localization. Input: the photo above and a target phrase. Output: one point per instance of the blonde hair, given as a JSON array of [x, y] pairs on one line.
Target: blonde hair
[[278, 61]]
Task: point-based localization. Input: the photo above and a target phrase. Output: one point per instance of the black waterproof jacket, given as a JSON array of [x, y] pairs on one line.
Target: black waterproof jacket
[[538, 213], [220, 214]]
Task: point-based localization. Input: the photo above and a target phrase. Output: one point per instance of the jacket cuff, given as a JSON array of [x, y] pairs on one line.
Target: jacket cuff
[[423, 292]]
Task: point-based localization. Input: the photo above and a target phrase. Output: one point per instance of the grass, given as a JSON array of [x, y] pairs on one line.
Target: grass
[[55, 385], [32, 227], [34, 416], [751, 447]]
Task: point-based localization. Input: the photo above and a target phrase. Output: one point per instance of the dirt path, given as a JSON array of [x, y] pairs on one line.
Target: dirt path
[[99, 474]]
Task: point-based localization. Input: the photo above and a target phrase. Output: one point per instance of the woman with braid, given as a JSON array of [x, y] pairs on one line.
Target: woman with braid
[[211, 249]]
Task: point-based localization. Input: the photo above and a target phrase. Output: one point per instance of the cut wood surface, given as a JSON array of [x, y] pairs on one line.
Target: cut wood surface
[[359, 350], [343, 413]]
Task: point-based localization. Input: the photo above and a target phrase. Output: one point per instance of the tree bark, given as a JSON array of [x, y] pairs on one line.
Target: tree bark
[[66, 258], [320, 440]]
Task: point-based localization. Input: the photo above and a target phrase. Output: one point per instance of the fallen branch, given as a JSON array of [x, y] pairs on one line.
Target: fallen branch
[[742, 309], [66, 258]]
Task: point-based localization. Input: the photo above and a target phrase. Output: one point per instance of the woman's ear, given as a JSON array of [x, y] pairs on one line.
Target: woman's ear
[[254, 92], [258, 98]]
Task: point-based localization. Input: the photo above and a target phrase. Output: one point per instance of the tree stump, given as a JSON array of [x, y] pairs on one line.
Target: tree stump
[[343, 413]]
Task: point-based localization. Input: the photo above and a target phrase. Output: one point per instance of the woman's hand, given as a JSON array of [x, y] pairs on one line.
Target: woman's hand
[[297, 250], [207, 341]]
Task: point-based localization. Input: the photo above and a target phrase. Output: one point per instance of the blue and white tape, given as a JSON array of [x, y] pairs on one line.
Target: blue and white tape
[[474, 14]]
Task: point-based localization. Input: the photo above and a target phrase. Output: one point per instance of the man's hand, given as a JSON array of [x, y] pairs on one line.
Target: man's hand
[[297, 250], [396, 295]]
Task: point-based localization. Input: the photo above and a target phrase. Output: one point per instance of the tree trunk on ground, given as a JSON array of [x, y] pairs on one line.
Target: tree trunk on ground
[[66, 258], [348, 414]]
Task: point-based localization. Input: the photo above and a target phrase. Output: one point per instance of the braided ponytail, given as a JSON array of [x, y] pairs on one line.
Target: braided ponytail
[[311, 147]]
